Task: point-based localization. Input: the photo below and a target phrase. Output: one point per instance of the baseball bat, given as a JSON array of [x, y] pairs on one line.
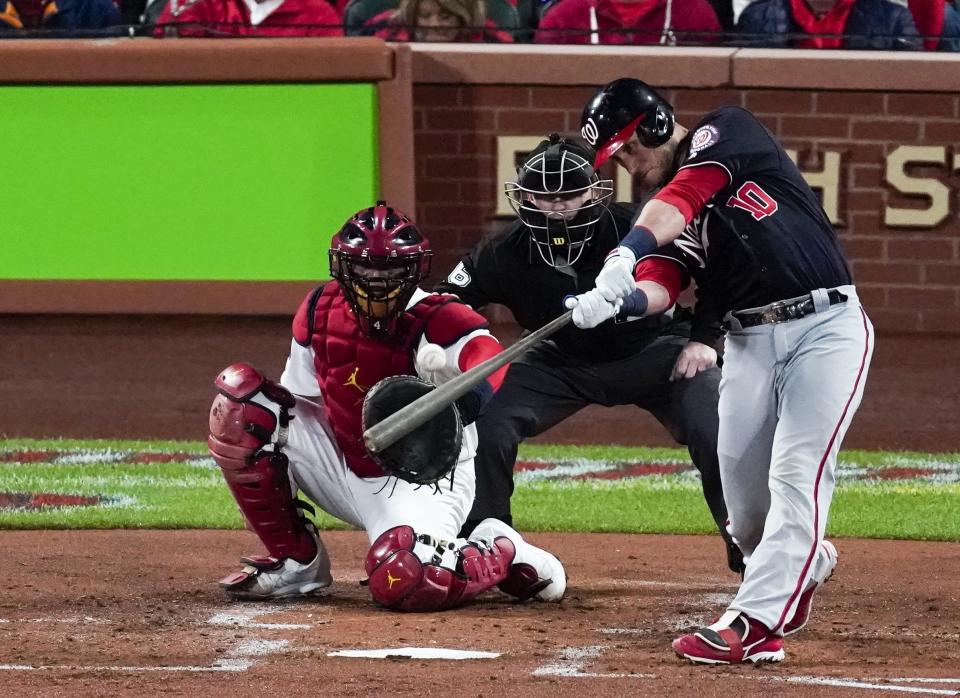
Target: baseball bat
[[423, 409]]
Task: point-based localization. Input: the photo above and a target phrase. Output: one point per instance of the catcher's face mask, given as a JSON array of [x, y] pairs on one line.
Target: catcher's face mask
[[560, 198], [379, 257], [379, 289]]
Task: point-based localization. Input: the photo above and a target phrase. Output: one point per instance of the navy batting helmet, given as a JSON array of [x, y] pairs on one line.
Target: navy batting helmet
[[622, 108]]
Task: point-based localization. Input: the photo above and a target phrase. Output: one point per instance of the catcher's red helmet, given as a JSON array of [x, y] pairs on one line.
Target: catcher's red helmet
[[378, 257]]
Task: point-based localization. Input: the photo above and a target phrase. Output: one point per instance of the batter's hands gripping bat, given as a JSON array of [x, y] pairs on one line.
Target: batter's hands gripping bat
[[421, 410]]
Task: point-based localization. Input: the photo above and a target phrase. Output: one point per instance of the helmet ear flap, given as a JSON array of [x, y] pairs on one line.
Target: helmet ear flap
[[655, 134]]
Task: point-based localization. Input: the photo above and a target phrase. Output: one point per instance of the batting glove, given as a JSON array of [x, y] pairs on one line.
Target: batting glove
[[590, 309], [616, 280]]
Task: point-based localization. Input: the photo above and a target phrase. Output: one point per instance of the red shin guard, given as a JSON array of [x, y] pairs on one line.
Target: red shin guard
[[239, 429]]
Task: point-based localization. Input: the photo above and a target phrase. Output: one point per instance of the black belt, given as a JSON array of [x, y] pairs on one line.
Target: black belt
[[782, 311]]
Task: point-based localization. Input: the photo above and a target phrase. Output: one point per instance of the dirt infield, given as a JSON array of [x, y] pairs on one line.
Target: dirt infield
[[135, 612]]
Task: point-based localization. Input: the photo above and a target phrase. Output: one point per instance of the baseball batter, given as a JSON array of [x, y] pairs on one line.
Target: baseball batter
[[798, 342], [661, 362], [306, 433]]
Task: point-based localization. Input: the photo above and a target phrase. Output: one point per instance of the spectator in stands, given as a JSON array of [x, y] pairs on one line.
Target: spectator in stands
[[528, 17], [724, 12], [629, 22], [938, 23], [438, 20], [950, 33], [249, 18], [58, 17], [848, 24], [737, 7]]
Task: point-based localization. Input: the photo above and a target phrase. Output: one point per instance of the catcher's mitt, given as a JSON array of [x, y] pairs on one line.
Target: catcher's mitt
[[428, 453]]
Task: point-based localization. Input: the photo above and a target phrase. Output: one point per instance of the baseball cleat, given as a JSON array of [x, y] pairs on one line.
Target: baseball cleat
[[734, 639], [534, 573], [734, 557], [269, 578], [805, 605]]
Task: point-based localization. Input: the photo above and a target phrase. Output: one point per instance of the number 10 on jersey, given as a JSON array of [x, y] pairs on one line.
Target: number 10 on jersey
[[752, 198]]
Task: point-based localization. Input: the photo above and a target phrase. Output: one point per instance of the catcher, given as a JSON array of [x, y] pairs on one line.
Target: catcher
[[373, 327]]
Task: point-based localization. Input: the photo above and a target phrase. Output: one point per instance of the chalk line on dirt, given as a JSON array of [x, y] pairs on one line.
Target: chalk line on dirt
[[415, 653]]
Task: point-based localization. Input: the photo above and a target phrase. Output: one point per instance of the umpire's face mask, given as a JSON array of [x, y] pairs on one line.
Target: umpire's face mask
[[562, 224], [560, 199], [562, 207]]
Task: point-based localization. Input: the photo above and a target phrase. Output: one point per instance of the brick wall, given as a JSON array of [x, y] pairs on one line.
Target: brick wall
[[909, 279]]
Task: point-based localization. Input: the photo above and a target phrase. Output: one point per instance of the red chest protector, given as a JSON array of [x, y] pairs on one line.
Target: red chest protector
[[348, 362]]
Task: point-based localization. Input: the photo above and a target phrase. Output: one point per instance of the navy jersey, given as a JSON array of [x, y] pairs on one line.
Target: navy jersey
[[764, 237], [505, 269]]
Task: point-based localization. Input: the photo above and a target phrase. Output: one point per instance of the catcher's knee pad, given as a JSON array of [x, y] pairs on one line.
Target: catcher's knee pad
[[400, 580], [243, 419]]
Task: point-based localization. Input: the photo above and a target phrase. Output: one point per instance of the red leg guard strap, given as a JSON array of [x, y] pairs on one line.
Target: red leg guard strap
[[400, 580], [239, 429], [523, 582]]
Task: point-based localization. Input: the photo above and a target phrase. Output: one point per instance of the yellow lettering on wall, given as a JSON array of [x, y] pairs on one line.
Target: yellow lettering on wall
[[827, 180], [508, 149], [936, 190]]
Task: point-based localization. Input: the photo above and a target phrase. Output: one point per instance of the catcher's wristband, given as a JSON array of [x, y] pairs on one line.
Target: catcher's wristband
[[469, 405]]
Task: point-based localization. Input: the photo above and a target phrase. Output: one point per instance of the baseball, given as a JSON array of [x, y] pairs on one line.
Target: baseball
[[431, 357]]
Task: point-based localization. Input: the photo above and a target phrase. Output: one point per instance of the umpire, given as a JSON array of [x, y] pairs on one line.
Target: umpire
[[665, 364]]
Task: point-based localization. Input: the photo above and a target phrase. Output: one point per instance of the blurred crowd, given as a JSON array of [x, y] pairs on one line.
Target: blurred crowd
[[909, 25]]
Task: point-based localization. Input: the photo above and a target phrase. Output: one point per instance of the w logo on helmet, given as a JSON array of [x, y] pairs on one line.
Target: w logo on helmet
[[590, 132]]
